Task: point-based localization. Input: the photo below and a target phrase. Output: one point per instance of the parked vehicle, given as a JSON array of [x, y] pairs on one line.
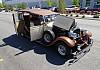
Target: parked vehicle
[[53, 29], [54, 9], [73, 9]]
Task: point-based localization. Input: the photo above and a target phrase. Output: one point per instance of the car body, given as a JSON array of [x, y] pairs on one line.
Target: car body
[[52, 29]]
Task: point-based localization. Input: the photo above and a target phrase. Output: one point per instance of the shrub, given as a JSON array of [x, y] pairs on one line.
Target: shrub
[[71, 14], [89, 12], [66, 14], [83, 16], [82, 12], [77, 15]]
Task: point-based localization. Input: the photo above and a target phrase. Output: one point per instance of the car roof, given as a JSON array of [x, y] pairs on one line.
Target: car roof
[[42, 12], [64, 22]]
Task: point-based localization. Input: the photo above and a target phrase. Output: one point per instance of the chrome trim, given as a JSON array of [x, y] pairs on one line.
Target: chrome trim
[[84, 51]]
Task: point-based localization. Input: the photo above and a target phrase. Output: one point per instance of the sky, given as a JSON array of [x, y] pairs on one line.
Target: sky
[[0, 1]]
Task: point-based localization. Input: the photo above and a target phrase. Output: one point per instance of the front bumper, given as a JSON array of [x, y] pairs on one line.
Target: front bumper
[[80, 53]]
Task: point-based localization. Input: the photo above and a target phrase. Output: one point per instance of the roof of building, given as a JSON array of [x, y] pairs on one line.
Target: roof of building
[[37, 11]]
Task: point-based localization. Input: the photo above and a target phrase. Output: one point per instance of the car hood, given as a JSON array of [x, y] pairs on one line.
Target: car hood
[[64, 22]]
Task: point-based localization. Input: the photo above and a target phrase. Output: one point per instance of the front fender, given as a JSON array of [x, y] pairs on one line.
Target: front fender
[[68, 41]]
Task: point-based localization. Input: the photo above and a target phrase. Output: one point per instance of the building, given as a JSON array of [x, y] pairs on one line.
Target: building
[[32, 3], [90, 4], [97, 4]]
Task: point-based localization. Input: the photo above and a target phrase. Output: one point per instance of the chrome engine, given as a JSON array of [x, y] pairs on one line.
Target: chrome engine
[[81, 37]]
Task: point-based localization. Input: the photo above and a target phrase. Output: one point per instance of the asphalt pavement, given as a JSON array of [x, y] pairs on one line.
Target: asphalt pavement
[[17, 53]]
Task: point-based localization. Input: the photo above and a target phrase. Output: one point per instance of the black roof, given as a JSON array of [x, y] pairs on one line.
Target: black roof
[[64, 22]]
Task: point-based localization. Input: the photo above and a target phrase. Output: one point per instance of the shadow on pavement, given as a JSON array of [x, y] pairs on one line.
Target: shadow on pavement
[[25, 45], [2, 45]]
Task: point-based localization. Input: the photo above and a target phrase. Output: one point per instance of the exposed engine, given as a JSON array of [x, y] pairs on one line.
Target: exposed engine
[[81, 38]]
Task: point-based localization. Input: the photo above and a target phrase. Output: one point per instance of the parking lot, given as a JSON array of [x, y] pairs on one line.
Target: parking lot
[[20, 54]]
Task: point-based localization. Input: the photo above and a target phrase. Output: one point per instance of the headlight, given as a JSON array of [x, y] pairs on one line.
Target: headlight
[[89, 33], [73, 35], [85, 32]]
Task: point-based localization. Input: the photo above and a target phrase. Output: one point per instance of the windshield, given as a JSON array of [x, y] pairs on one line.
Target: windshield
[[49, 18]]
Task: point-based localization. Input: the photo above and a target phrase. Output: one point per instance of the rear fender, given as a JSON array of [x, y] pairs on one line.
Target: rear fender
[[68, 41]]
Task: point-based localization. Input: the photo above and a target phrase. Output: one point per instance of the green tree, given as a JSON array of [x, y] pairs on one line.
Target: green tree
[[9, 7], [62, 6], [1, 5], [54, 4], [51, 3], [21, 5], [6, 7], [76, 3]]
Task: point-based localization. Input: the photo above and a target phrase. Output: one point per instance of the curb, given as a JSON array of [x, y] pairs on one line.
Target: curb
[[88, 18]]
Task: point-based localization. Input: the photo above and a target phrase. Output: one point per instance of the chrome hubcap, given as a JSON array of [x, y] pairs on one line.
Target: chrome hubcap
[[47, 38], [62, 50]]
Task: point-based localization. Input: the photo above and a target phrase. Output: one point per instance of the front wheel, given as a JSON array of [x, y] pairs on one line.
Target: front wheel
[[63, 49]]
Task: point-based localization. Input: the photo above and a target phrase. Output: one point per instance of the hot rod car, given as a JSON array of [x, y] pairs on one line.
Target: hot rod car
[[53, 29]]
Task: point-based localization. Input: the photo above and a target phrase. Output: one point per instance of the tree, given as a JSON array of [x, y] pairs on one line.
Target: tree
[[51, 3], [76, 3], [62, 6], [54, 4], [6, 6], [21, 5], [9, 7], [1, 5]]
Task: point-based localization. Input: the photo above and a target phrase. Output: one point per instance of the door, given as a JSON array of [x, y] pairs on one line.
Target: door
[[26, 17], [36, 32], [18, 22], [48, 26]]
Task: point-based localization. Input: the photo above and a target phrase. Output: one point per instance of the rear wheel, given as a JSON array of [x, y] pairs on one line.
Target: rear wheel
[[48, 37], [63, 49]]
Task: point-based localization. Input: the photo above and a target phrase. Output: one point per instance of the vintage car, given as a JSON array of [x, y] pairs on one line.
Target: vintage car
[[53, 29]]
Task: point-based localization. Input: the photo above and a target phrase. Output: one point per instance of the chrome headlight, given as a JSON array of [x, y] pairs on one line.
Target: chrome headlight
[[72, 34]]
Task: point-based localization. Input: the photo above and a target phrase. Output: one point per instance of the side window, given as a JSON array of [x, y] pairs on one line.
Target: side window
[[31, 21], [20, 16], [47, 19], [36, 20]]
